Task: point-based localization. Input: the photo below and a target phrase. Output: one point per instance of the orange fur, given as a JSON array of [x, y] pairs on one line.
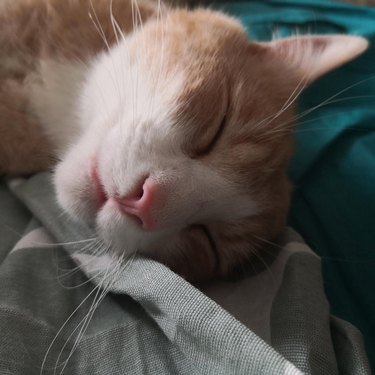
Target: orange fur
[[24, 148], [33, 29]]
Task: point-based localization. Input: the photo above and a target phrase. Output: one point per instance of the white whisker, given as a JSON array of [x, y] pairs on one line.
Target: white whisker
[[100, 295]]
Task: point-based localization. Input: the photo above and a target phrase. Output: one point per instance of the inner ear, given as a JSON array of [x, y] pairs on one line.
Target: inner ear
[[312, 56]]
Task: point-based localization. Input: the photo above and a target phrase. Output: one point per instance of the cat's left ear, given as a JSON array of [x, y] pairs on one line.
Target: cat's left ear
[[312, 56]]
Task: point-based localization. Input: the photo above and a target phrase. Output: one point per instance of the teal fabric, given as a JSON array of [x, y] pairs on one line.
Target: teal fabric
[[334, 165]]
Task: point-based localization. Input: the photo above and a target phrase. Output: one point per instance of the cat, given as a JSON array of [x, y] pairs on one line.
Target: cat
[[173, 131]]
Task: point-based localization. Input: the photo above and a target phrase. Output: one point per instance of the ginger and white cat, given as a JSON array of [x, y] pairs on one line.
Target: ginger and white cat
[[173, 135]]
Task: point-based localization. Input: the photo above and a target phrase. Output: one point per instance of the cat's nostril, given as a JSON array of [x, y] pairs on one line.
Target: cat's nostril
[[136, 193], [140, 193], [100, 194], [141, 203]]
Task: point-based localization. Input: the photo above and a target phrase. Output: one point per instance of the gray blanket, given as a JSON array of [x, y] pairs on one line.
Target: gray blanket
[[141, 318]]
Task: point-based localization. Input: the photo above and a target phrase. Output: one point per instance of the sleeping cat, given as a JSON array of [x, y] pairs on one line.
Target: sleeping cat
[[173, 131]]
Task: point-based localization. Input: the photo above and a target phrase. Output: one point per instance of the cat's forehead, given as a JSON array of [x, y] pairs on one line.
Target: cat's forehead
[[196, 68], [197, 41], [187, 59]]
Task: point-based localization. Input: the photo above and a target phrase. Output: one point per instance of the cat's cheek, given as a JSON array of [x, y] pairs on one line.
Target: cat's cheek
[[189, 254], [75, 193]]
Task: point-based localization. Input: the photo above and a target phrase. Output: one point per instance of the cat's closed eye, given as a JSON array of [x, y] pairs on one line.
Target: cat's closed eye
[[208, 148]]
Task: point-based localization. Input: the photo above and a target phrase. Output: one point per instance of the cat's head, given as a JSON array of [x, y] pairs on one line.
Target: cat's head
[[187, 137]]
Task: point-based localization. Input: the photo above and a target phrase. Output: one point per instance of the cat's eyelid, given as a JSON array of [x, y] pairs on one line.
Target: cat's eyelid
[[219, 132], [216, 137]]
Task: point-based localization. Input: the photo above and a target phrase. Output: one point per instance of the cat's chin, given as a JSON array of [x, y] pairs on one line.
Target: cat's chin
[[123, 234]]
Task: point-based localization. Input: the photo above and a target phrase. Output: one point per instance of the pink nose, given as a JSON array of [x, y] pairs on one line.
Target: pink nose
[[141, 204]]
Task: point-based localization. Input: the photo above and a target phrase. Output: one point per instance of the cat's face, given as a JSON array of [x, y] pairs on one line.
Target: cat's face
[[187, 137]]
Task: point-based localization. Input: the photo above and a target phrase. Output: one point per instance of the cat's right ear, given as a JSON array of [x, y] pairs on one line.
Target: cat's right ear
[[312, 56]]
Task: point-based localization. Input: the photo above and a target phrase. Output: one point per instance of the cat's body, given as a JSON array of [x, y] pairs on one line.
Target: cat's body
[[47, 48], [174, 136]]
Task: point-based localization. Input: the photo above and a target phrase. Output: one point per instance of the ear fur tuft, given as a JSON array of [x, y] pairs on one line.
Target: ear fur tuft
[[313, 56]]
